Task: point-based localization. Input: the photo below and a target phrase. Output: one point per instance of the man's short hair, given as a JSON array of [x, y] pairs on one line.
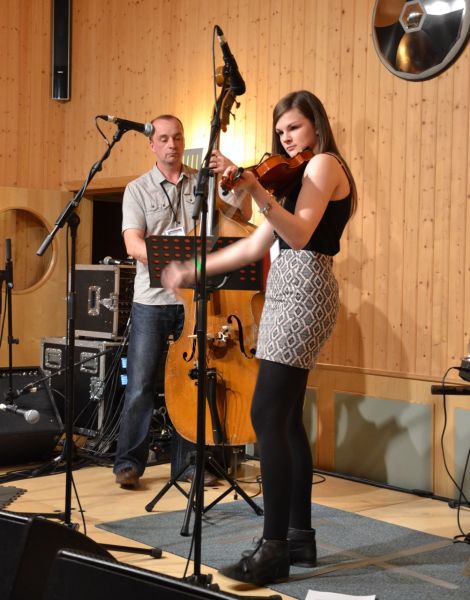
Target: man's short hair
[[168, 117]]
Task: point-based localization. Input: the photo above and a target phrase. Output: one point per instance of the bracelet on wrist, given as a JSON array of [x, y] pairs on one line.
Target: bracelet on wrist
[[266, 208]]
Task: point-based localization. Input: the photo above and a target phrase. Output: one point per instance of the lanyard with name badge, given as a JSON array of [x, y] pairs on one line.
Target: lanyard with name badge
[[174, 213]]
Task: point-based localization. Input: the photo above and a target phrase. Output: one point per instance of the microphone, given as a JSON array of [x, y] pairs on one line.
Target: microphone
[[8, 263], [145, 128], [115, 261], [30, 416], [237, 85]]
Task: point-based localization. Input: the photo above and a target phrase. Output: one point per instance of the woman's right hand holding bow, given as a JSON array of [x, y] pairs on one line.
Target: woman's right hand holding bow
[[177, 275]]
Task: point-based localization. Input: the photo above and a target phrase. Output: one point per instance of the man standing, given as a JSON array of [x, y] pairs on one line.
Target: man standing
[[160, 202]]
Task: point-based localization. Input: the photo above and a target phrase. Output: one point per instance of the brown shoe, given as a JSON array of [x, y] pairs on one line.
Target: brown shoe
[[127, 478]]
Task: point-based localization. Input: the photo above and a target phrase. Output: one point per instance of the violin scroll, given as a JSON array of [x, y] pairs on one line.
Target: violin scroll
[[228, 182]]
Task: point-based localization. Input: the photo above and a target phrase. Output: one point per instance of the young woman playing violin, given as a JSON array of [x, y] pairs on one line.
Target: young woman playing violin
[[303, 227]]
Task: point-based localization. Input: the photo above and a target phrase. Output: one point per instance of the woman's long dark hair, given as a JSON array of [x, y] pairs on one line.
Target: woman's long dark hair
[[312, 108]]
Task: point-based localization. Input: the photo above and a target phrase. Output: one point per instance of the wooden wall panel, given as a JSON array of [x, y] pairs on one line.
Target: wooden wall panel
[[38, 299], [458, 270], [31, 123], [329, 381], [440, 300], [404, 265], [26, 232], [394, 350]]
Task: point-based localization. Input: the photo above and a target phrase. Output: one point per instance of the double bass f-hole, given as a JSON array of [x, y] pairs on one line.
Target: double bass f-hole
[[227, 337], [241, 341]]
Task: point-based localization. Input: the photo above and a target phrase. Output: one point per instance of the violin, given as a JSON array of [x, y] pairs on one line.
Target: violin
[[276, 173]]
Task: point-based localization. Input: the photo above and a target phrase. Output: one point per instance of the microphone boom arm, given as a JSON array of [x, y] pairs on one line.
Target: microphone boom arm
[[72, 205]]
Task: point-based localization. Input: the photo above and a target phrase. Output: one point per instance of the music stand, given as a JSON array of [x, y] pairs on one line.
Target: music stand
[[161, 250]]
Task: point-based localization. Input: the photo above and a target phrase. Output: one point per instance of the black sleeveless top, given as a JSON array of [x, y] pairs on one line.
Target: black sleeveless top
[[326, 237]]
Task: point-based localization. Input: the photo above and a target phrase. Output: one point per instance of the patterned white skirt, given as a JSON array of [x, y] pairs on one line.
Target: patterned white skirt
[[300, 308]]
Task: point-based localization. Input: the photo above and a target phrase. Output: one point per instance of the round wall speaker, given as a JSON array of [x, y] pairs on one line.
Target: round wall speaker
[[418, 39]]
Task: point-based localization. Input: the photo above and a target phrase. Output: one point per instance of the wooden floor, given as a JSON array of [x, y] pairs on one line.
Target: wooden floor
[[104, 501]]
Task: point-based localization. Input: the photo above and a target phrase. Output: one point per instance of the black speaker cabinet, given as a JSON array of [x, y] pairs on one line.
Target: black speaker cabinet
[[61, 16], [27, 550], [20, 440], [76, 576]]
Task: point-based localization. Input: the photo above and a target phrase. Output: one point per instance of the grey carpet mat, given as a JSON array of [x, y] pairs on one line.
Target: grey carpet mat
[[8, 494], [357, 555]]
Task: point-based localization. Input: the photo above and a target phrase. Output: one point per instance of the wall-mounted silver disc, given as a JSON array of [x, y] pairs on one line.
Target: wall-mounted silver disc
[[418, 39]]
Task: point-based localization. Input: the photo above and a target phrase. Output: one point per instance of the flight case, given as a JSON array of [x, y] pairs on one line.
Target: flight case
[[103, 300], [98, 379]]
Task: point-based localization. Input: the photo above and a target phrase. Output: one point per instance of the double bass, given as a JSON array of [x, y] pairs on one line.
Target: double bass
[[231, 366]]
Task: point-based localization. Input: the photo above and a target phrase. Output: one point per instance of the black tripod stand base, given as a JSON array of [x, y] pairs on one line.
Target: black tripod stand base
[[60, 516], [154, 552], [233, 487], [216, 468], [173, 481], [205, 581], [202, 581]]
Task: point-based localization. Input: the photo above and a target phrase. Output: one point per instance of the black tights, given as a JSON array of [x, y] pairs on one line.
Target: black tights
[[285, 453]]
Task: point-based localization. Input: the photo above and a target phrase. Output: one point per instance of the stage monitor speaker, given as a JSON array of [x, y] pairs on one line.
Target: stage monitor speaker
[[61, 16], [27, 550], [20, 440], [76, 576]]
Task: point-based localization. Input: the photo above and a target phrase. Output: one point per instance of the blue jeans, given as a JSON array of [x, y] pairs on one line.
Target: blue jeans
[[150, 328]]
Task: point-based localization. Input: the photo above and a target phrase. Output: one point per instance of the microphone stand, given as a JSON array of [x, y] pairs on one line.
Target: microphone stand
[[201, 210], [223, 105], [7, 276], [69, 216]]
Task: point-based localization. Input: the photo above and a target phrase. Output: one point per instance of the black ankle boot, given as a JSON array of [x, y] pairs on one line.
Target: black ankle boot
[[267, 563], [302, 547]]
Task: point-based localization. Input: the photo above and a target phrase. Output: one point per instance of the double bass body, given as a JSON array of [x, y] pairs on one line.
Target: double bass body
[[230, 362]]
